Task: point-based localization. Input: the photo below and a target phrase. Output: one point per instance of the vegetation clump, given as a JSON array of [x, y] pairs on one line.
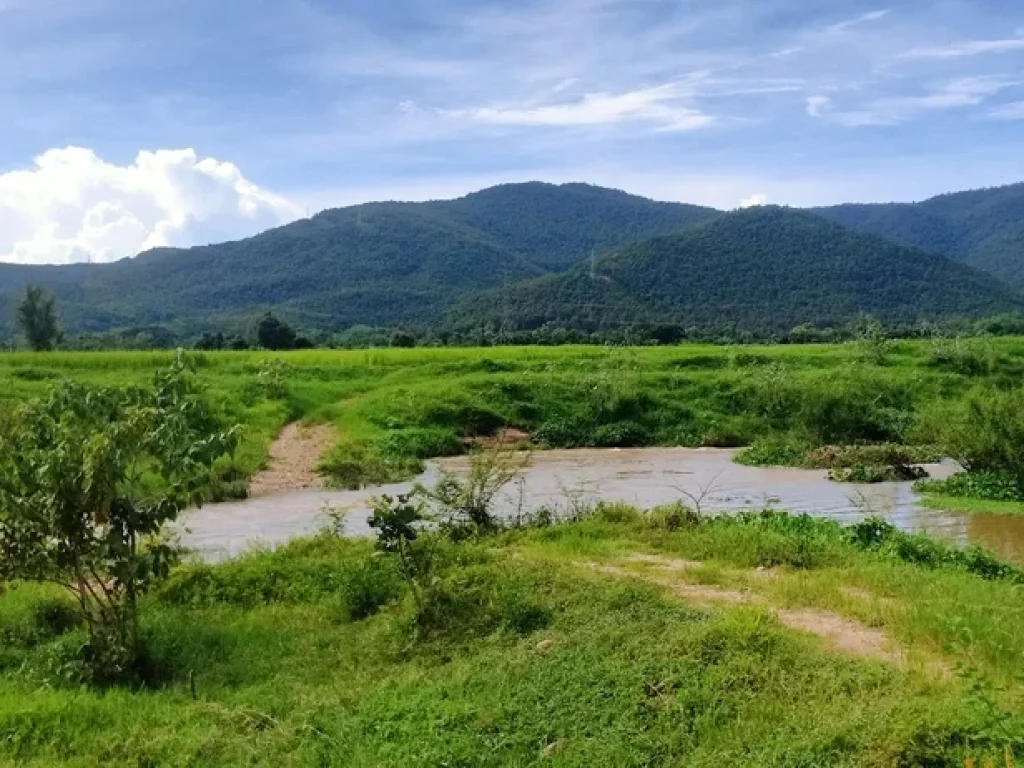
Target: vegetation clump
[[88, 478]]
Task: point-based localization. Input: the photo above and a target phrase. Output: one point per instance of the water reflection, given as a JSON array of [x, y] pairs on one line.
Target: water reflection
[[644, 477]]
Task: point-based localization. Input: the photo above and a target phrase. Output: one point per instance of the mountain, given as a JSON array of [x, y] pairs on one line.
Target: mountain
[[376, 264], [556, 226], [983, 228], [761, 270]]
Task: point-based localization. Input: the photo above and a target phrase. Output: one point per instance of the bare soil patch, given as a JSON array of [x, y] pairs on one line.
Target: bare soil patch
[[839, 632], [292, 461]]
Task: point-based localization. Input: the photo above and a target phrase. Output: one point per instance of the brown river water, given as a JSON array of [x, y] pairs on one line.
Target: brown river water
[[645, 477]]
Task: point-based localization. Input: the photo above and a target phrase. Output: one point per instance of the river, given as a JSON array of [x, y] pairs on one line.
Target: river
[[644, 477]]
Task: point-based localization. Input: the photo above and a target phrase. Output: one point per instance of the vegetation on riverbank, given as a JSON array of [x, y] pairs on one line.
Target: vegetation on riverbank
[[622, 638], [393, 408]]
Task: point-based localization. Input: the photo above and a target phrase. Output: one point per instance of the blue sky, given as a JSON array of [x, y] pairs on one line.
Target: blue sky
[[290, 106]]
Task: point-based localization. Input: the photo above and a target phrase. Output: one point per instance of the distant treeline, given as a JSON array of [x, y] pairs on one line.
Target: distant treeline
[[639, 334]]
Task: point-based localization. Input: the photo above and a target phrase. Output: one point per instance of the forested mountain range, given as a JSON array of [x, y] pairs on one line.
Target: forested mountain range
[[759, 270], [439, 264], [983, 228]]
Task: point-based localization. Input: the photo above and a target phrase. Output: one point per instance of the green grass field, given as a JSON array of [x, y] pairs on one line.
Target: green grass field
[[608, 642], [393, 408]]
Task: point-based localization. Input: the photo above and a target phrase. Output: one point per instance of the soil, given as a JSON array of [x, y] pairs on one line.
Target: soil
[[293, 459]]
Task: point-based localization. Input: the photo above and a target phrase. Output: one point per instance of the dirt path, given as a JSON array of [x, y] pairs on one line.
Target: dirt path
[[838, 632], [293, 459]]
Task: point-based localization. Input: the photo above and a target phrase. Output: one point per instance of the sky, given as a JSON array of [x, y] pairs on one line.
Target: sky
[[130, 124]]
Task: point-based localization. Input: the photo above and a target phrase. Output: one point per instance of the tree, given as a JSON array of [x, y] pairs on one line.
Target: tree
[[37, 317], [88, 478], [275, 334], [403, 339]]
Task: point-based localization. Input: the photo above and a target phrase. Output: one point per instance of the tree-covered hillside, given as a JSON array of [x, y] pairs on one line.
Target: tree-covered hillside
[[556, 226], [393, 264], [376, 264], [983, 228], [762, 270]]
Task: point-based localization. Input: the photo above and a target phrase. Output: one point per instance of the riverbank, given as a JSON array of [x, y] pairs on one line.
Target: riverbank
[[620, 639], [393, 409]]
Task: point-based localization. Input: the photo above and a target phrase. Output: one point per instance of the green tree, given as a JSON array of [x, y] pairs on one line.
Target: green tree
[[37, 317], [89, 476], [275, 334]]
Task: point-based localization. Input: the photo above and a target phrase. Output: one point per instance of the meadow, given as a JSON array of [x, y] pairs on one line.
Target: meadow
[[613, 637], [393, 408], [619, 638]]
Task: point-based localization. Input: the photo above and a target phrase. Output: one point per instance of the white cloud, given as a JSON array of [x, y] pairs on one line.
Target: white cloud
[[955, 94], [73, 206], [864, 18], [755, 200], [665, 106], [961, 50]]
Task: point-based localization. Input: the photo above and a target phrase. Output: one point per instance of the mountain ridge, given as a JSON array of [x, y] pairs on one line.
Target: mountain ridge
[[400, 263]]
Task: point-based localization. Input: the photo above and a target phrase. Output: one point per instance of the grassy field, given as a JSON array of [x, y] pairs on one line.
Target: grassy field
[[393, 408], [610, 641]]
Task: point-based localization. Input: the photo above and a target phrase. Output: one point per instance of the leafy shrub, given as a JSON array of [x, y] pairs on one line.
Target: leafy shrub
[[367, 587], [991, 486], [419, 443], [968, 357], [984, 431], [882, 473], [876, 534], [672, 517], [622, 434], [774, 453], [475, 601]]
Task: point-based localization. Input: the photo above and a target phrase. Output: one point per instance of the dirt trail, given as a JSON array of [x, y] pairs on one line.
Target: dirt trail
[[839, 632], [293, 459]]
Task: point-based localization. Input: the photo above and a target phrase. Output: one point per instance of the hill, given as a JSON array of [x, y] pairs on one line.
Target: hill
[[759, 270], [983, 228], [376, 264]]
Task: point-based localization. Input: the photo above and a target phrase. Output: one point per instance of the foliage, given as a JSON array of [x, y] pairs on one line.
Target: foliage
[[398, 521], [469, 501], [982, 227], [758, 273], [274, 334], [991, 486], [524, 651], [983, 431], [88, 478], [37, 318]]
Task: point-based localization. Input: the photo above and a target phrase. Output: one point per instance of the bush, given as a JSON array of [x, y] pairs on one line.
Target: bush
[[990, 486], [419, 443], [774, 453], [984, 431], [879, 473], [367, 587], [475, 601]]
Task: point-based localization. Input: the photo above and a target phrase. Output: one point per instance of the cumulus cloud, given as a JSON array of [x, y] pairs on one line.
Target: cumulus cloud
[[73, 206], [755, 200]]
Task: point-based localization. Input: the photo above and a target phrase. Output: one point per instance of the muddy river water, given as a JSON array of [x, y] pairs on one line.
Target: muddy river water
[[644, 477]]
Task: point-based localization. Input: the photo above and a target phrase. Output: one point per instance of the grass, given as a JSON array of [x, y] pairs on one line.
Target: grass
[[535, 657], [394, 407], [971, 505]]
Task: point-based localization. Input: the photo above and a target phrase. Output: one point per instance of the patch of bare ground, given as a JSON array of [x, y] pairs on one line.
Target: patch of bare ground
[[838, 632], [292, 461]]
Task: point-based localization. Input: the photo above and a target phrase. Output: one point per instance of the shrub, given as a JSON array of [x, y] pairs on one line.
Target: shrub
[[984, 431], [367, 587], [419, 443], [991, 486], [475, 601]]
